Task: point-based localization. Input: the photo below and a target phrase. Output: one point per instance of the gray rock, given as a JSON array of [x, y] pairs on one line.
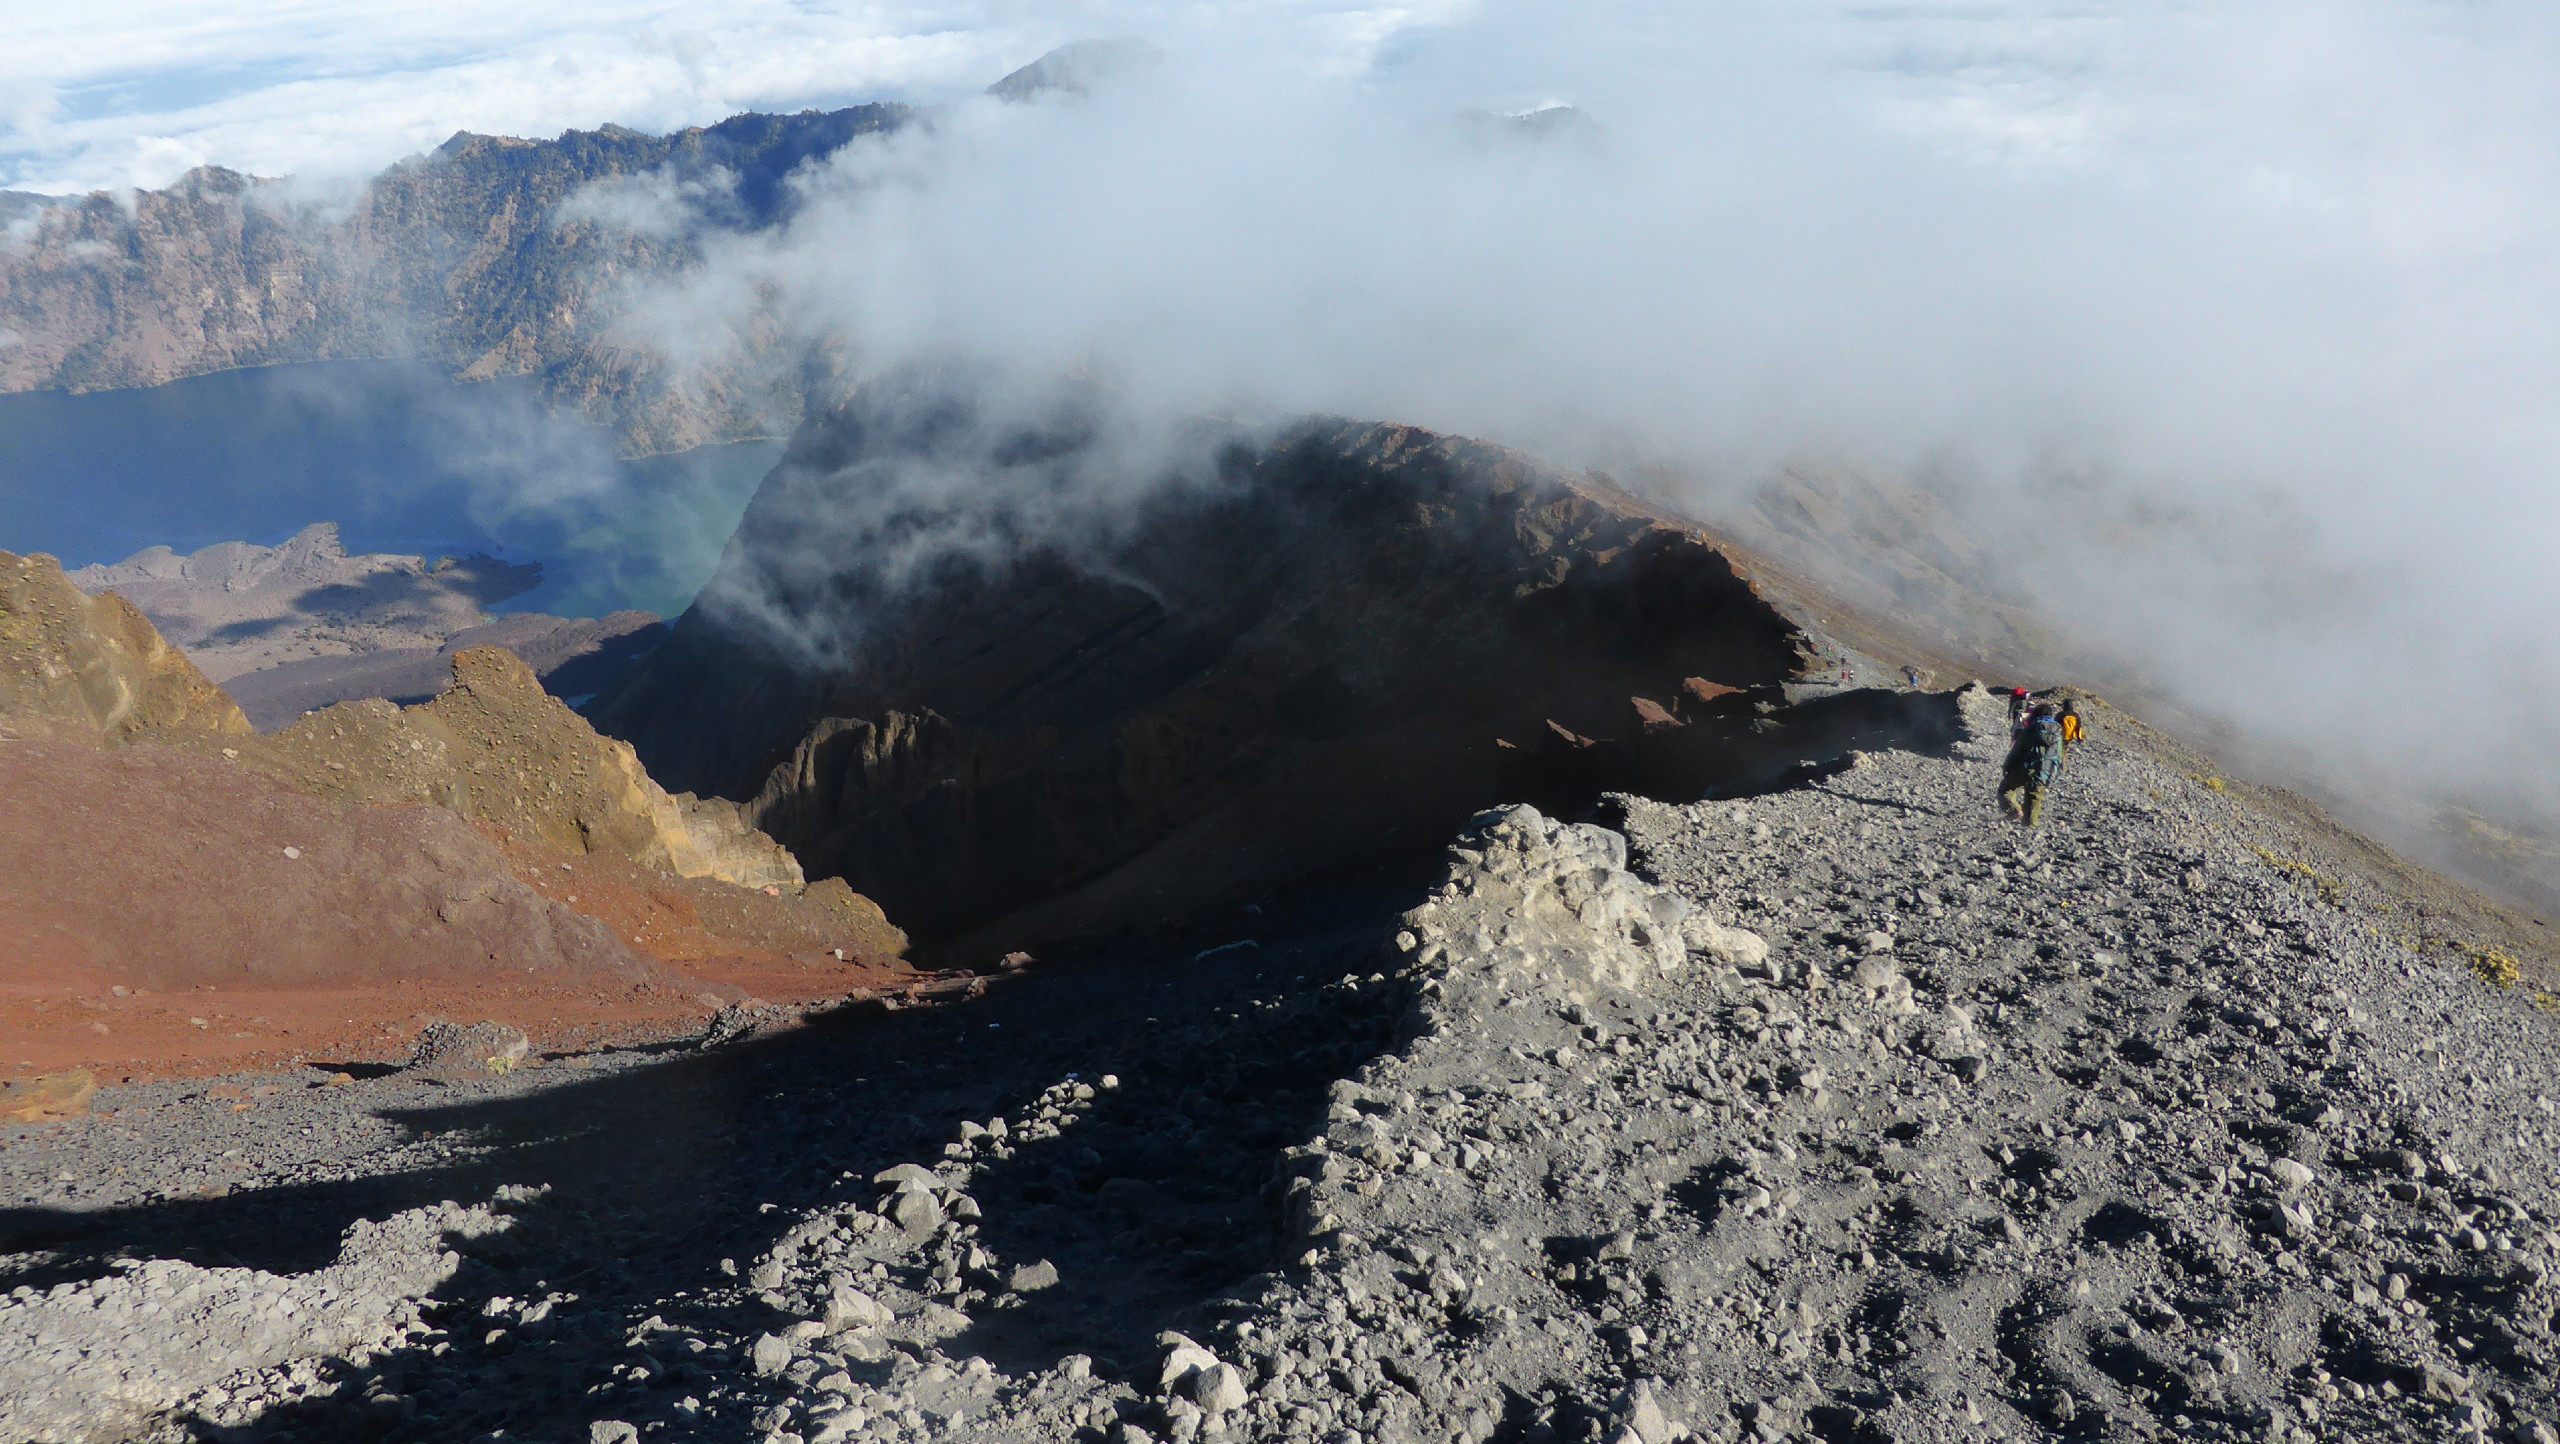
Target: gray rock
[[1217, 1388], [1637, 1412], [850, 1308], [1182, 1358], [450, 1050], [917, 1212], [1559, 897]]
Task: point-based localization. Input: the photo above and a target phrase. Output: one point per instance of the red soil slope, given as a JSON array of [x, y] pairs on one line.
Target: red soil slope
[[152, 922]]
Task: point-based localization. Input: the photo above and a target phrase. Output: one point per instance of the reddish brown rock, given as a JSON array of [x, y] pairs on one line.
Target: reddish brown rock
[[217, 899], [1698, 692], [1651, 714], [144, 866]]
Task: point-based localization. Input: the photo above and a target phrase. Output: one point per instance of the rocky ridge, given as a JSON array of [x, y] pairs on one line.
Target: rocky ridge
[[293, 628], [499, 750], [491, 255], [93, 670], [1345, 641], [369, 858], [2102, 1132], [574, 657], [1846, 1112]]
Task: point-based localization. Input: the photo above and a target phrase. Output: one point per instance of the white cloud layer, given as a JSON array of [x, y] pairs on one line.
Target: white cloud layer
[[132, 92], [2235, 316], [2232, 322]]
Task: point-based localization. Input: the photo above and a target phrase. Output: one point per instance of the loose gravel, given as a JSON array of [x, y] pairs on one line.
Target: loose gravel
[[1849, 1113]]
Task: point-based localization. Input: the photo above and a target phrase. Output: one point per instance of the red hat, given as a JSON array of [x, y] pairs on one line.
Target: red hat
[[2017, 691]]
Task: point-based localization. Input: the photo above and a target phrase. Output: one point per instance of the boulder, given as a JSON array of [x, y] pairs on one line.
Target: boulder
[[1553, 905], [1733, 947], [453, 1051], [1183, 1358]]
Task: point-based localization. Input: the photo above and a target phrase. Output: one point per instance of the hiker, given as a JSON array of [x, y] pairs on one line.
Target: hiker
[[2071, 731], [2017, 708], [2033, 760], [1912, 676]]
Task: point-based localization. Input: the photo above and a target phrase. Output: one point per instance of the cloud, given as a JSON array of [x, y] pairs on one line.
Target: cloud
[[657, 204], [348, 87], [2230, 327], [2230, 323], [126, 92]]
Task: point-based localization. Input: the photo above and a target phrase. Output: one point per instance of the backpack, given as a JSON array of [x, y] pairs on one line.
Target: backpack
[[2040, 749], [2070, 726]]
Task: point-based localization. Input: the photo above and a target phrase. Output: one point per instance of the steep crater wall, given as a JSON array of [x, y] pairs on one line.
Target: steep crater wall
[[472, 256], [1328, 653]]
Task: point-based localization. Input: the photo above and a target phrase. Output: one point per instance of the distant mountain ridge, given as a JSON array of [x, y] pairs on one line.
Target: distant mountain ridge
[[463, 257]]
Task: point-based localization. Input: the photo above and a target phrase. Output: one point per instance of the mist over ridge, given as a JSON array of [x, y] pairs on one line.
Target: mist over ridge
[[2241, 388]]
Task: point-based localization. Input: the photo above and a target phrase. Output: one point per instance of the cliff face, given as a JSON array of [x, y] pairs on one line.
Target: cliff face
[[465, 257], [1343, 644]]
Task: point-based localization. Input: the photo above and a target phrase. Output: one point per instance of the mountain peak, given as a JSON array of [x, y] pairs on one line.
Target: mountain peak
[[1076, 68]]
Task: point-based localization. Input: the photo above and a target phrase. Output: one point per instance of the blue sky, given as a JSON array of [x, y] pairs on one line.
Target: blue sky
[[132, 92]]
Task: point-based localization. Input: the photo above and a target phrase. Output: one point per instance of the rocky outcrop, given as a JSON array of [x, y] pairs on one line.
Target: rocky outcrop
[[1343, 640], [1536, 902], [471, 256], [90, 669], [237, 607], [495, 747], [499, 750]]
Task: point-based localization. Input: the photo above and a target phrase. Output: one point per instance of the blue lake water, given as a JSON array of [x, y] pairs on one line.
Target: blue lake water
[[396, 454]]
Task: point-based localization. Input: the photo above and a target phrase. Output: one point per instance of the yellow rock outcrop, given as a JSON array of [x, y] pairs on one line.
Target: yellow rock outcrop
[[497, 748], [92, 669]]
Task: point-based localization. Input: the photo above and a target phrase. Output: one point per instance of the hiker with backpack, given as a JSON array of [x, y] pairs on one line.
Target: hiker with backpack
[[2034, 759], [2072, 734]]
